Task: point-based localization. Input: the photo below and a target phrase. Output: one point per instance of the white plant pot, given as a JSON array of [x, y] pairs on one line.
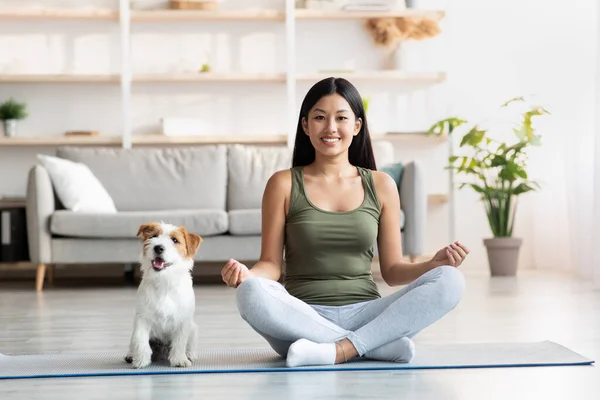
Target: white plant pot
[[10, 127], [503, 255]]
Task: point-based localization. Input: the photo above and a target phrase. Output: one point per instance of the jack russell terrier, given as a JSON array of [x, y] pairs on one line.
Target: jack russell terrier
[[164, 326]]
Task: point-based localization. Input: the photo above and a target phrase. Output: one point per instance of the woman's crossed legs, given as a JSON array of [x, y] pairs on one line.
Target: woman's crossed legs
[[379, 329]]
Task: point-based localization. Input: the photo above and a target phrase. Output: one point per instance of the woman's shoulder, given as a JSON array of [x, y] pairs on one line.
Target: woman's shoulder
[[380, 178], [384, 183], [280, 180], [282, 175]]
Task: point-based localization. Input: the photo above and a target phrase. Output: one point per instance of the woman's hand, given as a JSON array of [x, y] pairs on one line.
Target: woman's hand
[[452, 255], [234, 273]]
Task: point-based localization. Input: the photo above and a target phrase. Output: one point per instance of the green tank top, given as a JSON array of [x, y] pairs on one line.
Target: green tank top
[[328, 254]]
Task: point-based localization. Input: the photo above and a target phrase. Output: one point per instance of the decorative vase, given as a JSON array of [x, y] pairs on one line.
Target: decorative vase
[[390, 59], [503, 255], [10, 127]]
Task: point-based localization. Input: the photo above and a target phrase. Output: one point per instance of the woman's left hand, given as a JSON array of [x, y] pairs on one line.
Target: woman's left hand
[[452, 255]]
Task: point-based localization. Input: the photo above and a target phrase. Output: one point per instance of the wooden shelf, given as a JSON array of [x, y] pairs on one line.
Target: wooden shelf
[[61, 141], [208, 139], [58, 78], [158, 139], [209, 77], [198, 15], [142, 140], [382, 76], [378, 76], [58, 14], [437, 198], [165, 15], [342, 14], [408, 136]]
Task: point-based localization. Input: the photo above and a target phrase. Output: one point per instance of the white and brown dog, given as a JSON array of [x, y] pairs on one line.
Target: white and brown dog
[[164, 321]]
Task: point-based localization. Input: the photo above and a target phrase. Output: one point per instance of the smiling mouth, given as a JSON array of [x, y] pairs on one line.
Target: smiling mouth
[[159, 264], [330, 140]]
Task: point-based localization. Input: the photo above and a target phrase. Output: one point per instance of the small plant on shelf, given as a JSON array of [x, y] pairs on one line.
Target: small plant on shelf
[[498, 172], [10, 112], [366, 101]]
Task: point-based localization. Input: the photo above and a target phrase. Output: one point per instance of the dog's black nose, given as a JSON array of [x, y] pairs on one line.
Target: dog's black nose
[[159, 249]]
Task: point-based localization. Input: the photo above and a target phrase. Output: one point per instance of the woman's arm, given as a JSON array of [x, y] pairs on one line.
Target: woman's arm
[[274, 206], [394, 270]]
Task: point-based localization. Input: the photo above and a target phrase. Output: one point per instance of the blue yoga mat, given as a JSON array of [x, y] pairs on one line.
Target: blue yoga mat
[[428, 356]]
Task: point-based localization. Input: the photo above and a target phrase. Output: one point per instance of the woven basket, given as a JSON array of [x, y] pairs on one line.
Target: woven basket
[[194, 4]]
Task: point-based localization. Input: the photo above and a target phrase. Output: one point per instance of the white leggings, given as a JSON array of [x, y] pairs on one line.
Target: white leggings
[[282, 319]]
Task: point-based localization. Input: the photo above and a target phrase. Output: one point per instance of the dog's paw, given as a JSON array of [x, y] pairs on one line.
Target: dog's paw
[[180, 362], [128, 359], [141, 362], [190, 356]]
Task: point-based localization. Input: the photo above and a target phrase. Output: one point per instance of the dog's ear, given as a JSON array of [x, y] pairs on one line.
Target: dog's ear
[[147, 230], [193, 242]]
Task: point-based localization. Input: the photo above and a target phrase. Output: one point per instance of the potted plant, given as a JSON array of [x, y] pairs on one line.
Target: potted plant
[[366, 101], [10, 112], [498, 173]]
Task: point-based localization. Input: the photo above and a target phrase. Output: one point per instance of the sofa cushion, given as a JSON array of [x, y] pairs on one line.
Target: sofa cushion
[[149, 179], [250, 167], [245, 222], [125, 224], [395, 170], [383, 151], [76, 186]]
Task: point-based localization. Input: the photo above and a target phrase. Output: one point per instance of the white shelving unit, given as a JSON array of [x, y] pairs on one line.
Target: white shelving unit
[[126, 17]]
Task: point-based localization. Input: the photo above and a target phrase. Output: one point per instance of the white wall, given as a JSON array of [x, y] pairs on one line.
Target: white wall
[[545, 48], [492, 51]]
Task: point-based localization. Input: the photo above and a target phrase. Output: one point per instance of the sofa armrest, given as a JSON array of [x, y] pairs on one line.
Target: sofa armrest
[[413, 201], [40, 206]]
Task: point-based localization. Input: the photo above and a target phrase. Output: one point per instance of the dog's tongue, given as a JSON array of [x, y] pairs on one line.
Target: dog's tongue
[[158, 263]]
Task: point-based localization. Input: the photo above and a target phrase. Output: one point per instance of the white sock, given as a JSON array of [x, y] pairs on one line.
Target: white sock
[[304, 352], [401, 351]]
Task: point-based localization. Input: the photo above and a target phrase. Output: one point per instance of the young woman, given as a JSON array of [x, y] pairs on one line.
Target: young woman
[[327, 212]]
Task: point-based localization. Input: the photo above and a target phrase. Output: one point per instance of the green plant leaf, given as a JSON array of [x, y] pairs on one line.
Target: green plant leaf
[[497, 170], [366, 101], [11, 109], [473, 137], [477, 188], [498, 161], [445, 126], [522, 188], [514, 99], [521, 134], [536, 140], [521, 173]]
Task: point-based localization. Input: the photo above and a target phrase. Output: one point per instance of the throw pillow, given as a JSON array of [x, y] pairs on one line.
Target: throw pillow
[[76, 186]]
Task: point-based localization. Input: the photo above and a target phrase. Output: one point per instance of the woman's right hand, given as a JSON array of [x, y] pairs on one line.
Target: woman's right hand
[[234, 273]]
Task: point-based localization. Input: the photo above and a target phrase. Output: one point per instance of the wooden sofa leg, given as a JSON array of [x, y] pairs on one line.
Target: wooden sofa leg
[[41, 274]]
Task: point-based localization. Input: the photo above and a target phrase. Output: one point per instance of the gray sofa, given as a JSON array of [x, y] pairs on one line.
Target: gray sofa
[[213, 190]]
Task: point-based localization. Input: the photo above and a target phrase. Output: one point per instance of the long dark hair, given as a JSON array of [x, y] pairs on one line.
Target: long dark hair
[[360, 153]]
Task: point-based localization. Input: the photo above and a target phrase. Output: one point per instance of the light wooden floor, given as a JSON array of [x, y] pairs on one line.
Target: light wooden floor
[[98, 316]]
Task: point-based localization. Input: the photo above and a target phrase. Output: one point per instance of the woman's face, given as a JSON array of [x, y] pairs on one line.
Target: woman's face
[[331, 125]]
